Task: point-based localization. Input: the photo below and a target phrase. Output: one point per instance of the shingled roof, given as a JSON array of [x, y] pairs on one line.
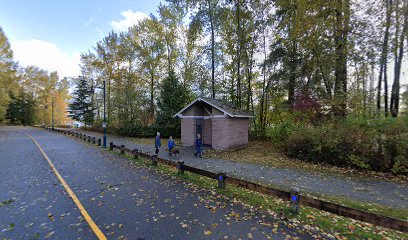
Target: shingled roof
[[225, 107]]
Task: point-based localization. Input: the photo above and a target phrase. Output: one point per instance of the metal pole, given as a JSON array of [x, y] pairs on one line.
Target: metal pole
[[52, 114], [104, 113]]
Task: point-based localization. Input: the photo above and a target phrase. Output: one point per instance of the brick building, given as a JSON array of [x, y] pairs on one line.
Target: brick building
[[220, 124]]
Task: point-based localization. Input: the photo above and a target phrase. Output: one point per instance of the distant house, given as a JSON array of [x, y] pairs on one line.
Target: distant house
[[220, 124]]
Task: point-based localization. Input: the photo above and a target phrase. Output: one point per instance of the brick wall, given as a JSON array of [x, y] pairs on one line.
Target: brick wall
[[229, 132], [220, 132], [238, 132], [187, 132]]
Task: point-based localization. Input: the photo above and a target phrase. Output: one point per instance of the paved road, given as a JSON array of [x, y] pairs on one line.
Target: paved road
[[362, 189], [125, 199]]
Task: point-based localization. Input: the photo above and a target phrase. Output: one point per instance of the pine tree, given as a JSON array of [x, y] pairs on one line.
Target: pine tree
[[81, 108], [173, 97]]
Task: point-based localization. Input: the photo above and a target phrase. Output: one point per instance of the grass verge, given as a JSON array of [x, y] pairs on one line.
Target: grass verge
[[310, 219]]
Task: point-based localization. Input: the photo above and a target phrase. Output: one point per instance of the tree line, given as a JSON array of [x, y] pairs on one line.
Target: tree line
[[273, 58], [29, 94]]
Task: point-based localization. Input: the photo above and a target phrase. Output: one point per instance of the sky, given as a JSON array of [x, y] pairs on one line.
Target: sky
[[52, 34]]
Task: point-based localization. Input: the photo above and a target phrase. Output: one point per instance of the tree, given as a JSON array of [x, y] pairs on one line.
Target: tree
[[22, 109], [150, 49], [341, 42], [81, 108], [7, 73], [384, 60], [207, 16], [173, 97], [398, 57]]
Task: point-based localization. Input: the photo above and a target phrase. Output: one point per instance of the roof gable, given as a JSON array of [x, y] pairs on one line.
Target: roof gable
[[225, 107]]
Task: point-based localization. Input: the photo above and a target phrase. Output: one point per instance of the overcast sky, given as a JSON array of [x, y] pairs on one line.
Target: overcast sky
[[51, 34]]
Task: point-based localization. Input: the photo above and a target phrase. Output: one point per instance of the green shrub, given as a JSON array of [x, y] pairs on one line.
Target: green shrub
[[400, 166], [380, 144], [279, 132]]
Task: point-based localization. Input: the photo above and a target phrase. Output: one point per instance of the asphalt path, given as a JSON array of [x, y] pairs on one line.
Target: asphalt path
[[126, 200], [366, 190]]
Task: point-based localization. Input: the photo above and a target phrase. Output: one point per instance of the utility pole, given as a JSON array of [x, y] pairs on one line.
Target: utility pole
[[52, 114], [104, 113]]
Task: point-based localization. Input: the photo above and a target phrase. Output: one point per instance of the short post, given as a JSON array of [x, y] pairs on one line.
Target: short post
[[93, 140], [99, 142], [111, 146], [221, 180], [89, 138], [154, 159], [122, 149], [180, 169], [135, 153], [294, 200]]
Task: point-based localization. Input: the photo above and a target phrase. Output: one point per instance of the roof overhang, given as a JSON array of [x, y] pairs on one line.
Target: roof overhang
[[212, 105]]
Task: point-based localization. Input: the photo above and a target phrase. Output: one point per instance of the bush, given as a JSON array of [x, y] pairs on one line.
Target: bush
[[400, 166], [279, 132], [380, 145]]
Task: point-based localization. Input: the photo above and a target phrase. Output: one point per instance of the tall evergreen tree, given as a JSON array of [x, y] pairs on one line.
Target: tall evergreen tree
[[173, 97], [81, 108]]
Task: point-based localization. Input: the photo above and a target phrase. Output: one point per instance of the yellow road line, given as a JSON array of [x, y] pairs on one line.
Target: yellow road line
[[81, 208]]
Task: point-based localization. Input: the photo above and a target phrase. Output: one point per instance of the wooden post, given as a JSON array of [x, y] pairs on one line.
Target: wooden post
[[135, 153], [111, 146], [93, 140], [180, 169], [221, 180], [99, 142], [122, 149], [154, 159], [89, 138]]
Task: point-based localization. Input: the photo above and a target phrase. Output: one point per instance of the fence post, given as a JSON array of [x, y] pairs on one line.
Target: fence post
[[294, 200], [154, 159], [99, 142], [180, 169], [221, 180], [93, 140], [135, 153], [89, 138], [111, 146], [122, 149]]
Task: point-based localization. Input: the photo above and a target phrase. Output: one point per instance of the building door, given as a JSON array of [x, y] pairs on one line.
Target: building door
[[199, 128], [207, 132]]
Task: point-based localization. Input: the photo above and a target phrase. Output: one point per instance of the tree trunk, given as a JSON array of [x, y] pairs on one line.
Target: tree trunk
[[239, 90], [383, 61], [398, 62], [262, 100], [210, 13], [341, 34], [292, 77], [151, 94]]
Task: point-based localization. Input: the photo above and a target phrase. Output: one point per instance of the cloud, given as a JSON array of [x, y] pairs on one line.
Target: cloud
[[130, 18], [89, 22], [47, 56]]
